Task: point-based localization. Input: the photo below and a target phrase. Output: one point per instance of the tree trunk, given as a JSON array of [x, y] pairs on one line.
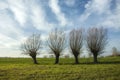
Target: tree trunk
[[34, 60], [57, 59], [76, 59], [95, 59]]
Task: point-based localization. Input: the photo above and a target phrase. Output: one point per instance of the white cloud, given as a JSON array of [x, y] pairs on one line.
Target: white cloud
[[7, 52], [11, 33], [70, 3], [39, 19], [18, 7], [84, 17], [24, 10], [113, 20], [56, 9], [44, 37], [3, 5], [8, 26], [7, 42], [98, 7], [10, 47]]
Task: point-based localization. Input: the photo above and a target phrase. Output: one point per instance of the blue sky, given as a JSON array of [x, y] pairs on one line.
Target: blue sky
[[21, 18]]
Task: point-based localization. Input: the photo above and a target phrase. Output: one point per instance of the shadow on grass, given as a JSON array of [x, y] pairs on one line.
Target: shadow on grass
[[115, 62], [85, 63], [89, 63]]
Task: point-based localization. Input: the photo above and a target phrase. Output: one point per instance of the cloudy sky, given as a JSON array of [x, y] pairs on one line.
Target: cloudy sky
[[21, 18]]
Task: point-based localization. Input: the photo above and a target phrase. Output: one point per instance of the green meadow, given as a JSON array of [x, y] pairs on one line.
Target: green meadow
[[108, 68]]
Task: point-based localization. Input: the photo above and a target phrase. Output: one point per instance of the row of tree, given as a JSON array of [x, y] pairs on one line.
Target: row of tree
[[96, 39]]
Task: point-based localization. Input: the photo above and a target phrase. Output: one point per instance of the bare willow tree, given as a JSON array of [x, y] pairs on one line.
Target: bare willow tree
[[56, 42], [96, 41], [31, 46], [75, 42]]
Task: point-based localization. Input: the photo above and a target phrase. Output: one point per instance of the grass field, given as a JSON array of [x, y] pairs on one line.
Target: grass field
[[24, 69]]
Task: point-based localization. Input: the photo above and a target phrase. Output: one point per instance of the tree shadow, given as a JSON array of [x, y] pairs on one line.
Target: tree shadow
[[115, 62], [90, 63]]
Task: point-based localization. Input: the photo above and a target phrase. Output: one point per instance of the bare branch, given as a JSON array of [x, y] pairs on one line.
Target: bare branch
[[32, 45], [96, 40], [56, 41], [75, 42]]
